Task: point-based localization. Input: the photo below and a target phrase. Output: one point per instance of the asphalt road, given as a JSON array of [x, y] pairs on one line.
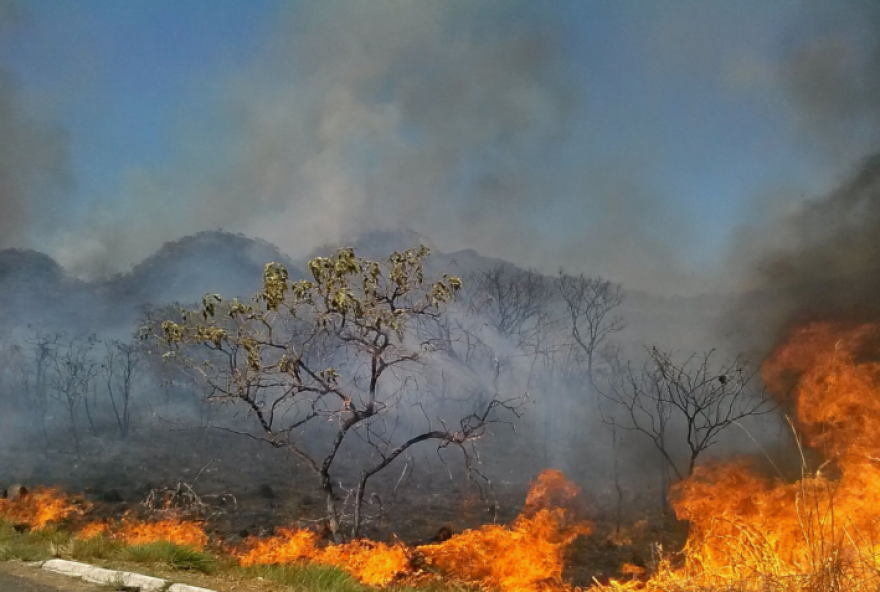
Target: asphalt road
[[15, 577]]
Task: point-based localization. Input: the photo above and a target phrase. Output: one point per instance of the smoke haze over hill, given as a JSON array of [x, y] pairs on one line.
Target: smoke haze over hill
[[538, 135]]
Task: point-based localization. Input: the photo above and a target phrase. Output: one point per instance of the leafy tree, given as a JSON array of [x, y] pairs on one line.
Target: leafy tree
[[331, 361]]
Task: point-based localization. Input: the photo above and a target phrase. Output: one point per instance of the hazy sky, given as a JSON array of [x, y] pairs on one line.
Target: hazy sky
[[653, 142]]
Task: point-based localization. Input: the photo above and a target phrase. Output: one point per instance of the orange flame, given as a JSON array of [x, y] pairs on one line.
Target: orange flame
[[525, 557], [373, 563], [39, 508], [552, 490], [528, 556], [93, 529], [288, 546], [172, 530], [820, 533]]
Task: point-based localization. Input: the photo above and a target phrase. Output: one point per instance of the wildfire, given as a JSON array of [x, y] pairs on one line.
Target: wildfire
[[42, 507], [747, 531], [527, 556], [820, 533], [94, 529], [288, 546], [172, 530], [39, 508], [371, 562]]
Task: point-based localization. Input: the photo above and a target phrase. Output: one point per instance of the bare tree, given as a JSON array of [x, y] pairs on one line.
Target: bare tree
[[514, 302], [12, 363], [72, 371], [590, 302], [120, 368], [332, 361], [683, 404], [43, 345], [174, 381]]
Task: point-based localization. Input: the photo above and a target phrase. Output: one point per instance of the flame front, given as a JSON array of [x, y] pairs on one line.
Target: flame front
[[527, 556], [819, 533], [43, 507], [747, 531], [39, 508], [172, 530]]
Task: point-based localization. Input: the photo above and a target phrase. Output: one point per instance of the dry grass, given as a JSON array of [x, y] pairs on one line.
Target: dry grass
[[48, 543]]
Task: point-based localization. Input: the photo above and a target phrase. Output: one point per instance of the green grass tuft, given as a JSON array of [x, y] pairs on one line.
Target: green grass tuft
[[176, 556], [44, 544], [29, 545], [98, 547], [435, 587], [47, 536], [308, 577], [24, 551]]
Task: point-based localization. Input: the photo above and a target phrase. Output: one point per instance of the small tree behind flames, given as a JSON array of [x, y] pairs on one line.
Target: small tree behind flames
[[321, 363], [683, 403], [72, 372], [120, 369]]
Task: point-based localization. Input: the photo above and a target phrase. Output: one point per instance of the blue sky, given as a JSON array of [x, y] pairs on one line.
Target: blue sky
[[632, 139]]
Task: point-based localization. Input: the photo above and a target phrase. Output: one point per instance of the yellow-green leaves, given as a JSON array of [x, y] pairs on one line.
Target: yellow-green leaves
[[209, 305], [444, 290], [253, 353], [210, 334], [301, 289], [288, 365], [330, 375], [316, 268], [328, 270], [172, 332], [364, 302], [275, 285], [406, 268], [239, 308]]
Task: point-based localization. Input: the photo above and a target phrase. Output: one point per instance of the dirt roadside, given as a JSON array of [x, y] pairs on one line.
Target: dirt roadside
[[17, 577]]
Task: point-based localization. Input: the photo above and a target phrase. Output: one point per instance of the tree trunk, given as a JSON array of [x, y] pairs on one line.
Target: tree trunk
[[619, 509], [332, 514], [43, 413], [358, 505], [89, 416], [71, 411]]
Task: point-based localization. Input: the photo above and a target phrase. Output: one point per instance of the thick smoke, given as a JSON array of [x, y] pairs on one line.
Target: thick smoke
[[823, 260], [33, 154], [831, 268], [358, 116], [833, 82]]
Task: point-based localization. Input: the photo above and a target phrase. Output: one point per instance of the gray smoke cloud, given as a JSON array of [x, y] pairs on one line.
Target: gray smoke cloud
[[821, 260], [833, 83], [33, 153], [359, 116], [468, 123]]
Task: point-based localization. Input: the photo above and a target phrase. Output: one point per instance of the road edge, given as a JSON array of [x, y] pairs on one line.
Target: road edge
[[100, 575]]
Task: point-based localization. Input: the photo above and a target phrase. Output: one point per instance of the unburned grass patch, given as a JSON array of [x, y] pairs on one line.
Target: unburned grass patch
[[308, 577], [27, 545], [47, 543], [176, 556], [311, 577], [98, 547]]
